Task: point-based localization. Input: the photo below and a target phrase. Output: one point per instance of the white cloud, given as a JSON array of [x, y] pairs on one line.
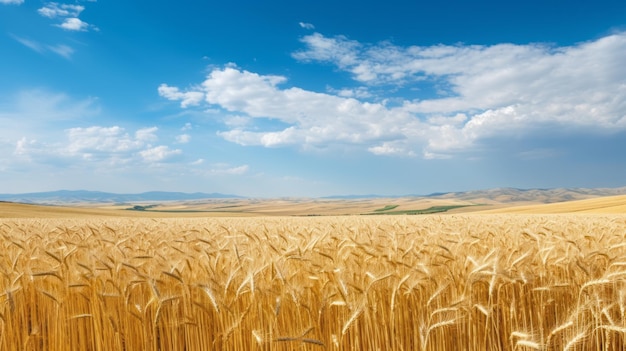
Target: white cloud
[[439, 120], [53, 9], [101, 146], [12, 2], [23, 145], [101, 139], [359, 92], [388, 148], [306, 25], [486, 91], [338, 50], [146, 134], [226, 169], [35, 138], [187, 99], [183, 138], [99, 149], [68, 13], [480, 77], [74, 24], [314, 118], [237, 121], [159, 153]]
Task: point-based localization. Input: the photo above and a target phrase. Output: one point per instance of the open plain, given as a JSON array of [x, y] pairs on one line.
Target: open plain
[[541, 277]]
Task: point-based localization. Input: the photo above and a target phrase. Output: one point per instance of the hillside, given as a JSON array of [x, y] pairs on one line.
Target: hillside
[[606, 205], [487, 201]]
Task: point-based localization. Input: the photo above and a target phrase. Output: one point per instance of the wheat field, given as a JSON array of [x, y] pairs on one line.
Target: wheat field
[[449, 282]]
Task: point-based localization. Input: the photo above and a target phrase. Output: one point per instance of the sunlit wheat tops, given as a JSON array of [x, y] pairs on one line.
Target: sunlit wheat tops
[[497, 282]]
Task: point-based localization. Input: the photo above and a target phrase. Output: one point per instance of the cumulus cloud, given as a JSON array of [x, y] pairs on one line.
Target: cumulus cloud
[[313, 118], [101, 139], [189, 98], [485, 91], [37, 134], [53, 9], [115, 144], [359, 92], [146, 134], [74, 24], [98, 148], [68, 13]]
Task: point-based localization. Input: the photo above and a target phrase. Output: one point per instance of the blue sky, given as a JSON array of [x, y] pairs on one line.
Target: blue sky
[[311, 98]]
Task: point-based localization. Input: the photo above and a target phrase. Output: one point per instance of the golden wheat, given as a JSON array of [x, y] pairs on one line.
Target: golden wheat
[[473, 282]]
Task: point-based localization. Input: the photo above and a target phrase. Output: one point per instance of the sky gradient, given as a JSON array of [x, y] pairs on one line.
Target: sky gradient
[[311, 98]]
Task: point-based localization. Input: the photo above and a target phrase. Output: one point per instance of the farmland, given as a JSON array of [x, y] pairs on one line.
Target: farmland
[[438, 282]]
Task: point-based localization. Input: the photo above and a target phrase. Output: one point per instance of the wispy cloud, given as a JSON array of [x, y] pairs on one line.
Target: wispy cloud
[[390, 149], [183, 138], [226, 169], [485, 92], [31, 44], [44, 107], [306, 25], [12, 2], [59, 49]]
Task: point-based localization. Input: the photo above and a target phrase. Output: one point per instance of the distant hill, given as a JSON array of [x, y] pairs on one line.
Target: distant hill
[[84, 196], [604, 204], [486, 197], [509, 195], [505, 195], [358, 197]]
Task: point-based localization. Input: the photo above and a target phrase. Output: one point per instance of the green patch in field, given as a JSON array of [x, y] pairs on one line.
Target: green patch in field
[[141, 208], [386, 208], [430, 210]]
